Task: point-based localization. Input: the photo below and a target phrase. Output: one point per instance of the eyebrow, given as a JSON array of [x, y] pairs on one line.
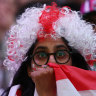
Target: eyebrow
[[56, 47], [60, 46], [41, 47]]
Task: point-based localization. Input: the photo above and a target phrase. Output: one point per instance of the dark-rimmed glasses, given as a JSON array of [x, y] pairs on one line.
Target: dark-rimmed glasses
[[42, 57]]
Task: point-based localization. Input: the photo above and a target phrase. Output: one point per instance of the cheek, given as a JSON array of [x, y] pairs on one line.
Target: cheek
[[69, 63]]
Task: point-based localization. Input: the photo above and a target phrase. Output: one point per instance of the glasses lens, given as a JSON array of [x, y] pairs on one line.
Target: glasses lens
[[40, 58], [62, 56]]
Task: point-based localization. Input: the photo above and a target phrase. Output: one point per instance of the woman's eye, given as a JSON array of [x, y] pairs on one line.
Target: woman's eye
[[61, 53], [41, 55]]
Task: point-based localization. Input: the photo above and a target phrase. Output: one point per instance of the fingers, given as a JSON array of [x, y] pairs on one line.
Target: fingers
[[36, 68], [40, 72], [45, 66]]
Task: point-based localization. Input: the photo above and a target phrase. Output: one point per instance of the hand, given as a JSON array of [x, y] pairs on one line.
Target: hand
[[44, 80]]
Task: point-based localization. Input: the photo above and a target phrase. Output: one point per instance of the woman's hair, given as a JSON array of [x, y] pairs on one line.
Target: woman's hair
[[21, 77]]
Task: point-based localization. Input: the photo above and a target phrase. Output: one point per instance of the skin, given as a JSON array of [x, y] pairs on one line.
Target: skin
[[46, 75], [7, 15]]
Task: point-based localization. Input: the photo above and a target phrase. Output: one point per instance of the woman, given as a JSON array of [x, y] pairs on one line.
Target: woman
[[46, 35]]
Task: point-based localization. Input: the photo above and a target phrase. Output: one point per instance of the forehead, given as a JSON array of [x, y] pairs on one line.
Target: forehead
[[50, 42]]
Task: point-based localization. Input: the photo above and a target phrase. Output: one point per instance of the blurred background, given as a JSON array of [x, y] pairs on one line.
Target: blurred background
[[10, 10]]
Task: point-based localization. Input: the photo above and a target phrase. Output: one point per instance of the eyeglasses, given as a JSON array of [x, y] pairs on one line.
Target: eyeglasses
[[42, 58]]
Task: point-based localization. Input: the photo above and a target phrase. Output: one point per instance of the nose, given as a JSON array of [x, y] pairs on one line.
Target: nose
[[51, 59]]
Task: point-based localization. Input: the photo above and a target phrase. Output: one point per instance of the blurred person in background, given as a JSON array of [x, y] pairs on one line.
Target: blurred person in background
[[7, 18], [88, 6], [7, 15]]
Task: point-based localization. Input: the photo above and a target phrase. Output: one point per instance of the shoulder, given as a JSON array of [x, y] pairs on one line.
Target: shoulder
[[15, 91]]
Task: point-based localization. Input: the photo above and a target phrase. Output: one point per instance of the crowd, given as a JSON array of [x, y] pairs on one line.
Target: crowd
[[10, 15]]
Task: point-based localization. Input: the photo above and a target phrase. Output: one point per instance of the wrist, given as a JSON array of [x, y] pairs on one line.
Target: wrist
[[47, 94]]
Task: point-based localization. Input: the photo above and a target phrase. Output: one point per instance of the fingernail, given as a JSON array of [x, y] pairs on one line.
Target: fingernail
[[44, 66], [34, 68], [33, 65]]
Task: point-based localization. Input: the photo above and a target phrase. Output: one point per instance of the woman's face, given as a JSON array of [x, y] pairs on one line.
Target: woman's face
[[49, 45]]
